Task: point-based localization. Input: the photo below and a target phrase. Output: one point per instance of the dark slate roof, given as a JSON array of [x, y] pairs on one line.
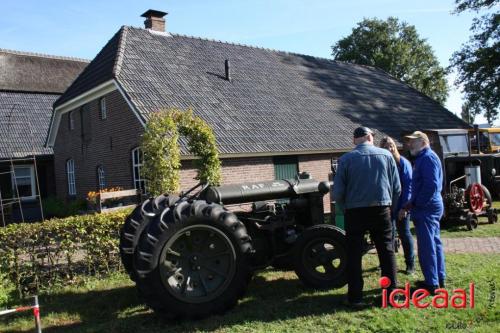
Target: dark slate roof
[[24, 121], [33, 72], [276, 101], [29, 85]]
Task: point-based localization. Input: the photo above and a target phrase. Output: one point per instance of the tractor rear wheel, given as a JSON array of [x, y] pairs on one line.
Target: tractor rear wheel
[[192, 260], [321, 257], [135, 224]]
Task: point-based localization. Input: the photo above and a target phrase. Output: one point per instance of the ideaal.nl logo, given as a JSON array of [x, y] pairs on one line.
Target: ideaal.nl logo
[[401, 298]]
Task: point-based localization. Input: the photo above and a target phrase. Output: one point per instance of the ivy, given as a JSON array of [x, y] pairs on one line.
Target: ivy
[[160, 144]]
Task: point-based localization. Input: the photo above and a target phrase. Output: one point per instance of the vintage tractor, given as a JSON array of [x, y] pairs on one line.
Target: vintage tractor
[[192, 257], [468, 179], [464, 205]]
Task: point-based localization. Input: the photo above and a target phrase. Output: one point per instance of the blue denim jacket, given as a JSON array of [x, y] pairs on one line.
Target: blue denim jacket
[[366, 177]]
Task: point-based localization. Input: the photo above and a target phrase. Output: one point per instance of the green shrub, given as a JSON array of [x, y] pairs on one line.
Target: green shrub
[[35, 256], [160, 145], [54, 207]]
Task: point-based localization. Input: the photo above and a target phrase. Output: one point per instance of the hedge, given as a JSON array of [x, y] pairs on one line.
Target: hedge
[[35, 256]]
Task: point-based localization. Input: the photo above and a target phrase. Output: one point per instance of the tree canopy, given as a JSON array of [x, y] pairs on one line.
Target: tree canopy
[[396, 48], [478, 61]]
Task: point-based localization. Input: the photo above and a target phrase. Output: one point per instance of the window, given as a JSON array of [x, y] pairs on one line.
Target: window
[[85, 122], [71, 122], [70, 171], [102, 108], [24, 179], [454, 143], [495, 139], [101, 180], [137, 162]]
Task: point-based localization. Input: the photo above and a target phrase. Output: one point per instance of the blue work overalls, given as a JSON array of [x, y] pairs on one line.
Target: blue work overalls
[[427, 210]]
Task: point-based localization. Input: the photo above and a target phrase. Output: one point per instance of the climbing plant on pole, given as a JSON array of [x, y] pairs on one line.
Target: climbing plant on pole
[[160, 145]]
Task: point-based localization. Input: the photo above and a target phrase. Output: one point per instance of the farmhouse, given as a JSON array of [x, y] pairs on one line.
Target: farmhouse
[[29, 84], [274, 113]]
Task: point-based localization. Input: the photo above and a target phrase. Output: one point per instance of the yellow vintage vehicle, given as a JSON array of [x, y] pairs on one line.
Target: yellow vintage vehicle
[[489, 140]]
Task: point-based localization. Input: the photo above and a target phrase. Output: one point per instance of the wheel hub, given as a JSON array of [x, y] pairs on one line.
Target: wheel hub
[[197, 263]]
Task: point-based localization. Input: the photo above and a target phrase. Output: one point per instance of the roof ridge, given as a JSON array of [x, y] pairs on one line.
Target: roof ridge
[[30, 92], [120, 50], [250, 46], [43, 55], [173, 34]]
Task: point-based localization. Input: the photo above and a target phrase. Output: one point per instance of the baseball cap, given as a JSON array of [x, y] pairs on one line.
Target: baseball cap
[[362, 131], [418, 135]]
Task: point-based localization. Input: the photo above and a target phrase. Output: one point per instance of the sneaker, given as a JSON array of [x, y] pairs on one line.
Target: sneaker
[[442, 284]]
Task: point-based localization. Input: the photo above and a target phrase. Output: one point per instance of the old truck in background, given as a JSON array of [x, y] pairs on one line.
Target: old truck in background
[[470, 179]]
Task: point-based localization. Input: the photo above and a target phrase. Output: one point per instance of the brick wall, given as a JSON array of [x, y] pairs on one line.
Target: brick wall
[[111, 141], [109, 144], [319, 167], [235, 170]]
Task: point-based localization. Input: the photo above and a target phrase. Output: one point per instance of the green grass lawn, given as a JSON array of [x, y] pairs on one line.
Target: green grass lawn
[[275, 302]]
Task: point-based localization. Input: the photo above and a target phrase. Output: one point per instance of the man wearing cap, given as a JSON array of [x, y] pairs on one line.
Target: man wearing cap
[[367, 186], [426, 207]]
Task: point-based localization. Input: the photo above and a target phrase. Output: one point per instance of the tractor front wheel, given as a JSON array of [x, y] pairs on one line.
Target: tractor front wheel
[[321, 257]]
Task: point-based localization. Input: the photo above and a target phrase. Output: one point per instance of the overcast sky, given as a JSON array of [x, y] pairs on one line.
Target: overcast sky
[[80, 28]]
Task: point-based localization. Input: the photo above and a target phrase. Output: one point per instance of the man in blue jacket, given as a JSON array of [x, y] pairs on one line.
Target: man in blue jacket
[[426, 208], [367, 186]]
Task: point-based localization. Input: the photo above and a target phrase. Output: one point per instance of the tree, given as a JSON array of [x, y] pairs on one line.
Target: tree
[[478, 61], [467, 114], [397, 49]]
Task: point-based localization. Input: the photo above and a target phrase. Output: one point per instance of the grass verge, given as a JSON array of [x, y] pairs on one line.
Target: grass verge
[[275, 302]]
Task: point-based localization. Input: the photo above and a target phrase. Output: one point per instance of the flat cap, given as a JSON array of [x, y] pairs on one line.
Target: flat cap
[[418, 135], [362, 131]]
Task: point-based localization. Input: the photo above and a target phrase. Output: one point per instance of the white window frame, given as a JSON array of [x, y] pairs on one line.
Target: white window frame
[[101, 177], [70, 173], [71, 121], [137, 163], [32, 180], [102, 108]]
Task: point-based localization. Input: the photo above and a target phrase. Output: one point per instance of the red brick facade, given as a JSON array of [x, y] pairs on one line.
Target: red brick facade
[[109, 143]]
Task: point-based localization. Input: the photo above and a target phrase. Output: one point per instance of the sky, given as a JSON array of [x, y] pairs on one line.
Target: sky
[[80, 28]]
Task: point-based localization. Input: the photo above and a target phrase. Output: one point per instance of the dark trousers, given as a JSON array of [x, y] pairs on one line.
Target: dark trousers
[[404, 233], [376, 220]]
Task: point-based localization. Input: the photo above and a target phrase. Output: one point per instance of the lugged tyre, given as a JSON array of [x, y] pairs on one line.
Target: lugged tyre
[[320, 257], [192, 261], [135, 224]]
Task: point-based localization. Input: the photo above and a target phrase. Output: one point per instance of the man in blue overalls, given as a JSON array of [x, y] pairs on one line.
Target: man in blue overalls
[[426, 207]]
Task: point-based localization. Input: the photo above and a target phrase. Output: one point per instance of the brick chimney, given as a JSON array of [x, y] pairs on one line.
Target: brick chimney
[[154, 20]]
